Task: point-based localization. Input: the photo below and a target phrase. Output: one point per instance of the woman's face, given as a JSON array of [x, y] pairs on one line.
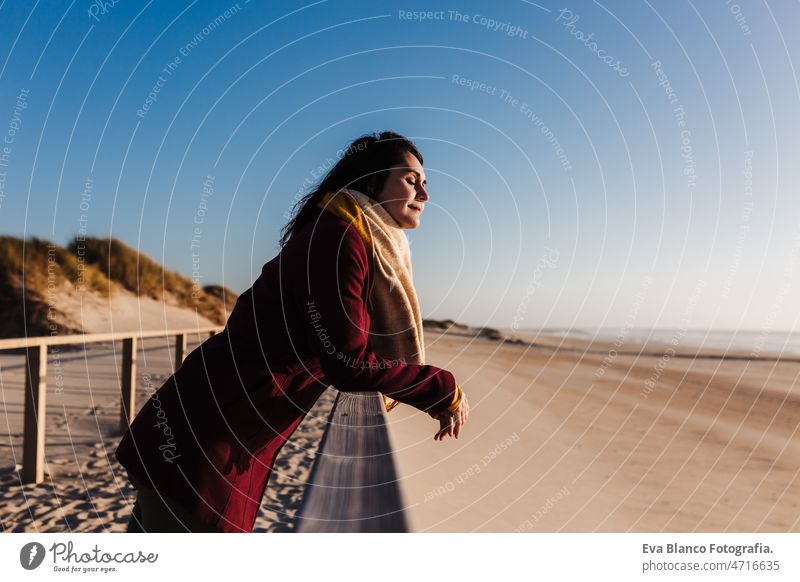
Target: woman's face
[[404, 192]]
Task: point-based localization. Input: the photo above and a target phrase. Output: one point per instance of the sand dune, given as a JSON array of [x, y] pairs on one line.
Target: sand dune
[[126, 311]]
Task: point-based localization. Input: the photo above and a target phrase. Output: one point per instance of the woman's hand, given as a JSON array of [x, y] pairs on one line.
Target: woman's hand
[[450, 423]]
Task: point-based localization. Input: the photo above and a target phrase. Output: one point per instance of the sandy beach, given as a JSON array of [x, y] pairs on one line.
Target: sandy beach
[[564, 435], [581, 439]]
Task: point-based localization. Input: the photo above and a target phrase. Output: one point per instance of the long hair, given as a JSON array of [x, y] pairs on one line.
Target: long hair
[[363, 166]]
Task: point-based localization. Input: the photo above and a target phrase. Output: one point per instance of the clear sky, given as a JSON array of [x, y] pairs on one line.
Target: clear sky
[[589, 164]]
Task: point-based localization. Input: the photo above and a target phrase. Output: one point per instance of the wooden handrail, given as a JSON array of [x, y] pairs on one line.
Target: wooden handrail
[[36, 382], [56, 340], [353, 486]]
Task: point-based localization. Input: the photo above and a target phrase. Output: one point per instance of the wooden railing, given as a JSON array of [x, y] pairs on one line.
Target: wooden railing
[[36, 382], [353, 486]]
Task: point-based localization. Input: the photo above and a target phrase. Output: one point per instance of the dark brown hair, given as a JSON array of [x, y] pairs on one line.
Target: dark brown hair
[[364, 166]]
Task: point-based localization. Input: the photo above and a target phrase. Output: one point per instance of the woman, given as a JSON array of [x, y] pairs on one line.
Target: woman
[[335, 307]]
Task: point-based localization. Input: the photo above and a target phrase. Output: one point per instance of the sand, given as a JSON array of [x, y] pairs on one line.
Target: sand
[[85, 489], [582, 442]]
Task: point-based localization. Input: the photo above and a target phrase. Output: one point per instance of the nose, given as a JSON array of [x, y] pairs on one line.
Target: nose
[[422, 194]]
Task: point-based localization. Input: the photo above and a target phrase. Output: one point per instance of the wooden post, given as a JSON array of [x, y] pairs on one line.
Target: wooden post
[[180, 350], [128, 407], [35, 410]]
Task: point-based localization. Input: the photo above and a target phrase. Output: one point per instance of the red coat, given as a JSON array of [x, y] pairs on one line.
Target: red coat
[[209, 436]]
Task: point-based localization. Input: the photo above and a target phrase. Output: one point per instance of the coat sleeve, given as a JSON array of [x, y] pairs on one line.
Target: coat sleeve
[[332, 297]]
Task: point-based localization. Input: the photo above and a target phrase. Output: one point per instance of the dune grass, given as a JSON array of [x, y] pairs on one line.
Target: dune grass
[[34, 271], [40, 263], [145, 277]]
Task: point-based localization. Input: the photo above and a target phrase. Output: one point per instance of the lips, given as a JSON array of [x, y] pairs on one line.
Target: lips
[[415, 207]]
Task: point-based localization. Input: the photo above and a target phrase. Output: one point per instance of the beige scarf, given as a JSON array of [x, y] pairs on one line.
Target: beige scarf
[[396, 330]]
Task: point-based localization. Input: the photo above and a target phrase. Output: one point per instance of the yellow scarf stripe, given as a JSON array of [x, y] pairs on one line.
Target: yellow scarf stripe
[[344, 206]]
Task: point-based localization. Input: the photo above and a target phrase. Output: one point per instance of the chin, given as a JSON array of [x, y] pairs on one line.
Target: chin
[[412, 222]]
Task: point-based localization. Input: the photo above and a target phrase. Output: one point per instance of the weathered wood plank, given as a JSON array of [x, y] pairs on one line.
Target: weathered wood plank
[[35, 406], [180, 350], [353, 486], [78, 339], [128, 383]]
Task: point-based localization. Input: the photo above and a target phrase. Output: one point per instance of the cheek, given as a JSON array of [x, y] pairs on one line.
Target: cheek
[[396, 199], [399, 209], [399, 197], [394, 195]]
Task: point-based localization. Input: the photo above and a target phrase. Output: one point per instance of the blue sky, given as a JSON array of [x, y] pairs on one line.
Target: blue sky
[[589, 164]]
